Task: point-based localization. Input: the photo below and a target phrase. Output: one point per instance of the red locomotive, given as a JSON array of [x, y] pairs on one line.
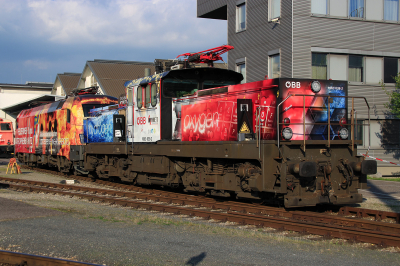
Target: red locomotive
[[6, 137], [290, 141]]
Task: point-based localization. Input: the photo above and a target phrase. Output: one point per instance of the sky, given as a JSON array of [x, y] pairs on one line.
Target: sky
[[41, 38]]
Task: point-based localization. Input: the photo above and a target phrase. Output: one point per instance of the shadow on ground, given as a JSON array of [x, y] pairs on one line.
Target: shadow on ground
[[193, 261]]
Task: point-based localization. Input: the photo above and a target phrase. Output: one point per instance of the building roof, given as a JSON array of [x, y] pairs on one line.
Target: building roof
[[69, 81], [111, 75], [29, 85], [214, 9]]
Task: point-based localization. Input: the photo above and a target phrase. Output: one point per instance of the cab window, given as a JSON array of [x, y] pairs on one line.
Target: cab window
[[5, 126], [179, 88], [88, 107], [154, 94], [208, 84], [147, 94], [139, 97], [130, 97]]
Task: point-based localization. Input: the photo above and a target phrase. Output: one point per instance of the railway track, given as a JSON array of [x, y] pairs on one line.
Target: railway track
[[15, 258], [324, 224], [343, 211]]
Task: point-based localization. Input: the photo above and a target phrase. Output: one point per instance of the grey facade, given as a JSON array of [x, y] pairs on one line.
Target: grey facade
[[337, 33]]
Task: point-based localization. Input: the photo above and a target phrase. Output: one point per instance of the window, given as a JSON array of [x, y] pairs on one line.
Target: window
[[177, 88], [208, 84], [153, 94], [356, 8], [319, 66], [319, 7], [147, 96], [241, 17], [5, 126], [380, 10], [87, 107], [241, 68], [68, 117], [274, 66], [139, 97], [274, 9], [356, 68], [390, 66], [130, 96], [391, 10]]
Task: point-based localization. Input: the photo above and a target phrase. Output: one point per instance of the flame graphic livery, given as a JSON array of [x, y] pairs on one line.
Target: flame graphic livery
[[48, 130]]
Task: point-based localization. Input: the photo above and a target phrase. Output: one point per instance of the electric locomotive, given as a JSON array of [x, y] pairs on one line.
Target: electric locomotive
[[6, 137], [290, 141], [51, 135]]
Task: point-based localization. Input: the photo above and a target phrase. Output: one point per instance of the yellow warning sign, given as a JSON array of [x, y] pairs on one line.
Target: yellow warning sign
[[244, 128]]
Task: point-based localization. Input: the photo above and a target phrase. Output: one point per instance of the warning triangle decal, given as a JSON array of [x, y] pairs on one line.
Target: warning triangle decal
[[244, 128]]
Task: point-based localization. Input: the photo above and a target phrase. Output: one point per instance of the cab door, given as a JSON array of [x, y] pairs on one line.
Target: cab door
[[130, 114], [147, 113]]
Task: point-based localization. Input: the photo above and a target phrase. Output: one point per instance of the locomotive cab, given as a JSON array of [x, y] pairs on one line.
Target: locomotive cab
[[154, 102]]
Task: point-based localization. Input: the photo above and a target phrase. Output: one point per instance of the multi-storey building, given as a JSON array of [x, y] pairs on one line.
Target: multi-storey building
[[353, 40]]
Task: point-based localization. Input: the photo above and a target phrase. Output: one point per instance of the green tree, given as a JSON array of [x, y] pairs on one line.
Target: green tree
[[394, 97]]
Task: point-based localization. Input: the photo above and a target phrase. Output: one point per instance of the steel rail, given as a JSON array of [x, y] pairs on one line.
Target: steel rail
[[234, 205], [300, 222], [15, 258], [198, 201]]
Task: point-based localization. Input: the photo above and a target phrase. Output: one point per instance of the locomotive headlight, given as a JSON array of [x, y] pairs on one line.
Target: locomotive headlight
[[315, 86], [343, 133], [286, 121], [287, 133]]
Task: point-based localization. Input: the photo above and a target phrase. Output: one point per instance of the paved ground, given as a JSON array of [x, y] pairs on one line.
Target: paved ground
[[382, 189], [70, 228], [101, 236], [12, 210]]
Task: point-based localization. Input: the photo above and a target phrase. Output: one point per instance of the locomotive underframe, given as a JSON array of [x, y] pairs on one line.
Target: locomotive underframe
[[6, 149], [239, 169]]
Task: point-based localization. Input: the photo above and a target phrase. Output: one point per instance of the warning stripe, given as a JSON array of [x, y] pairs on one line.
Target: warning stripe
[[379, 159]]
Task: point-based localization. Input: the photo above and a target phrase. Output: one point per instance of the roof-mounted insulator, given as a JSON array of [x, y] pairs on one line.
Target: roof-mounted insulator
[[89, 90]]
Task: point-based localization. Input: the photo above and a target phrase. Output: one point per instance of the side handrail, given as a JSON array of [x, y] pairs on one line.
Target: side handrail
[[258, 130], [328, 123]]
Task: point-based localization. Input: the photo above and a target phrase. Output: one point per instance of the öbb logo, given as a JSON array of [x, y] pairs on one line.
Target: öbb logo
[[141, 120], [293, 85]]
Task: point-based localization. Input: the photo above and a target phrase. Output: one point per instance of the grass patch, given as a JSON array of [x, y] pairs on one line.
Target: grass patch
[[385, 179]]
